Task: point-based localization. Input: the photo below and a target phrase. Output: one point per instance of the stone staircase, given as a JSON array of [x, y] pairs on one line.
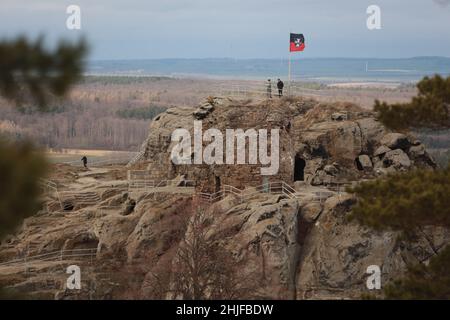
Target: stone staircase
[[79, 198]]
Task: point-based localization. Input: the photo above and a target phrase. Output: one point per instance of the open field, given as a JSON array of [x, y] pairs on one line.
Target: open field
[[101, 157]]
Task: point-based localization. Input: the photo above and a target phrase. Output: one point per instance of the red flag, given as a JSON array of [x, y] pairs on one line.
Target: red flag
[[297, 42]]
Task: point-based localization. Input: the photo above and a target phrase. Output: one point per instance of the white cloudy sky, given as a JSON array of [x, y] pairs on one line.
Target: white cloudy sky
[[127, 29]]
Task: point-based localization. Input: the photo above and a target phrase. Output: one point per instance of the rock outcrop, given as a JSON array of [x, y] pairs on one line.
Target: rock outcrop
[[292, 247], [319, 143]]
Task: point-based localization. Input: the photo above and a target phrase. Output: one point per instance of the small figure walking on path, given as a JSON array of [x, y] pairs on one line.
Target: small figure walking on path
[[84, 160]]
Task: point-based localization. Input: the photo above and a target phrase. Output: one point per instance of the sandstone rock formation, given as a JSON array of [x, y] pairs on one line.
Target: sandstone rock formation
[[319, 143], [292, 247]]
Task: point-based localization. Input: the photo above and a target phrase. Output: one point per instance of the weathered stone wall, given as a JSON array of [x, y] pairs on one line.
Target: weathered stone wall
[[338, 142]]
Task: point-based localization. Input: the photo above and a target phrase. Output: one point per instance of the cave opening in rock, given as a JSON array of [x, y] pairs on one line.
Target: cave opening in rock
[[85, 243], [217, 184], [358, 164], [299, 169], [68, 206]]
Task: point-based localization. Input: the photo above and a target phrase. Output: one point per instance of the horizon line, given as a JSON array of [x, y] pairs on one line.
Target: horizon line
[[256, 58]]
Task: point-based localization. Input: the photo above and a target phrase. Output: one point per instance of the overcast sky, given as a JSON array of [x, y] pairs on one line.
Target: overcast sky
[[130, 29]]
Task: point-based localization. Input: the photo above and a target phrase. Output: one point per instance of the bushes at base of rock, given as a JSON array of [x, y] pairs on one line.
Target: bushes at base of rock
[[429, 109], [404, 201], [424, 282]]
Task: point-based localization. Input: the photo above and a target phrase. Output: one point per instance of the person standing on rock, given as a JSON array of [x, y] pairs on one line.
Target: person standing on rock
[[280, 86], [84, 160], [269, 89]]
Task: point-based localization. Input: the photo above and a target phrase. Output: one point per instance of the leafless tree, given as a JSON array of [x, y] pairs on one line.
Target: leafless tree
[[202, 267]]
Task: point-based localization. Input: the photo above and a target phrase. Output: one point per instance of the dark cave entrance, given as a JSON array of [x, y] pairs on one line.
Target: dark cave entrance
[[358, 164], [299, 169], [217, 184], [68, 205]]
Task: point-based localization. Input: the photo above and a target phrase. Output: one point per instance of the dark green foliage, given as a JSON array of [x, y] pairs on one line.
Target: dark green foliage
[[430, 108], [424, 282], [408, 201], [12, 294], [145, 113], [20, 170], [404, 201], [30, 72]]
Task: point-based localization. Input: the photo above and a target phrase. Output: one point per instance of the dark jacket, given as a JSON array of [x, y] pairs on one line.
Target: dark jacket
[[280, 84]]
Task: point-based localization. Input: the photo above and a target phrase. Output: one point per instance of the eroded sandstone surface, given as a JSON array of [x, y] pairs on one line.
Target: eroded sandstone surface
[[297, 245]]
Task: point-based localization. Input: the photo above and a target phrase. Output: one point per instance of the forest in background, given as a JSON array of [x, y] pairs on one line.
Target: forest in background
[[114, 112], [111, 113]]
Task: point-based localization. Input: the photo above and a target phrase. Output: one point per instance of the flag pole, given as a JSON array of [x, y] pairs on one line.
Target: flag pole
[[289, 72], [289, 64]]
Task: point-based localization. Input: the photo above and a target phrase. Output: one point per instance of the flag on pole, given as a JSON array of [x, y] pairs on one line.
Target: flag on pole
[[297, 42]]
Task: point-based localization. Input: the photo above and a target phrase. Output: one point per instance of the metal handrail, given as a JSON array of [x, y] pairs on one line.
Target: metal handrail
[[258, 89], [47, 184], [82, 198], [54, 255], [143, 183], [279, 187]]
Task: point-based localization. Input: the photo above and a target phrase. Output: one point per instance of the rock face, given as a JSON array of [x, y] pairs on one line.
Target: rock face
[[395, 141], [319, 143], [300, 247], [397, 158], [364, 162], [336, 254], [293, 249], [381, 151]]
